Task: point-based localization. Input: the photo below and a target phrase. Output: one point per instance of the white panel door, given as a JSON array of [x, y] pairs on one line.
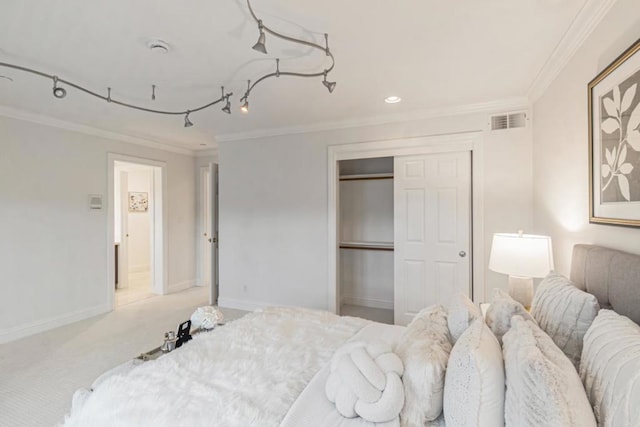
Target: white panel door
[[432, 228], [123, 250]]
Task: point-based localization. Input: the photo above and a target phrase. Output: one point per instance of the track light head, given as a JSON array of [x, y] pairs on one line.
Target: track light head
[[58, 92], [245, 107], [187, 122], [260, 45], [227, 107], [329, 85]]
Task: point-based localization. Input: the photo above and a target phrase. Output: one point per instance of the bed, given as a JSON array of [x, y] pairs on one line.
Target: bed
[[272, 367]]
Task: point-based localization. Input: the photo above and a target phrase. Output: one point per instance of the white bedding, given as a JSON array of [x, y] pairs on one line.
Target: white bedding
[[243, 374]]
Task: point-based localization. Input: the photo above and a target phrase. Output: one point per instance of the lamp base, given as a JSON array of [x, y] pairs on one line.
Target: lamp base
[[521, 290]]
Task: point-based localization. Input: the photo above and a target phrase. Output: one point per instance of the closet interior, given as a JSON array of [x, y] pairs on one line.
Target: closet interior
[[366, 258]]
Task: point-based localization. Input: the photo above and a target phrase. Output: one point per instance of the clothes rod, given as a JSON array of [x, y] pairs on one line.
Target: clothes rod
[[364, 177]]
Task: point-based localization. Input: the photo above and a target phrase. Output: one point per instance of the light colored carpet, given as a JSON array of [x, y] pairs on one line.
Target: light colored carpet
[[138, 288], [39, 374]]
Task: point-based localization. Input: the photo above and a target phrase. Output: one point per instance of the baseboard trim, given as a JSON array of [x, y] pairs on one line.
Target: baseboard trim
[[181, 286], [17, 332], [367, 302]]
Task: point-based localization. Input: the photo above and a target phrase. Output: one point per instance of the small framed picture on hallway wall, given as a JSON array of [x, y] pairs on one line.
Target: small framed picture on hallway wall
[[138, 202], [614, 142]]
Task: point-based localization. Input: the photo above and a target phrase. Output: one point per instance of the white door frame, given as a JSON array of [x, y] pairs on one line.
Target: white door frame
[[159, 276], [470, 141]]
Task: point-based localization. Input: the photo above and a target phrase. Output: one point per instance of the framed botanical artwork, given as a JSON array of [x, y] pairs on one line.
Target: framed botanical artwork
[[614, 142], [138, 202]]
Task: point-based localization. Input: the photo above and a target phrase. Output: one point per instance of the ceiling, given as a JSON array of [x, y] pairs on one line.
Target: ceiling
[[433, 54]]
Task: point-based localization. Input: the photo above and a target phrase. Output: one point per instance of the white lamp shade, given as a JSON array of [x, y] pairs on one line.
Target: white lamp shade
[[522, 255]]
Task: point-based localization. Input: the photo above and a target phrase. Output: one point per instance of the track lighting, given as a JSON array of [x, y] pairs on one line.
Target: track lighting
[[58, 92], [157, 45], [260, 45], [187, 122], [329, 85]]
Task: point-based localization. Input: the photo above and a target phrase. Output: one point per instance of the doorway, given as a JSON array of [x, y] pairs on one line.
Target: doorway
[[209, 231], [136, 229]]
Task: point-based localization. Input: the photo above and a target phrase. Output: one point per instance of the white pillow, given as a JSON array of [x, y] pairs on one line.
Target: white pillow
[[424, 349], [543, 388], [474, 382], [500, 312], [610, 369], [565, 313], [461, 312]]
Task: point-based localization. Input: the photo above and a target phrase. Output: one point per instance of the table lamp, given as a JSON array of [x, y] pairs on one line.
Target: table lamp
[[522, 257]]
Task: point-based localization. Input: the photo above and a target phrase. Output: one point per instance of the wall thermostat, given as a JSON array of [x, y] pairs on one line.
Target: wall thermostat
[[95, 202]]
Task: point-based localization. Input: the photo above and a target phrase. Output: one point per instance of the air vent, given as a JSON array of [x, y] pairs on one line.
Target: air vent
[[509, 121]]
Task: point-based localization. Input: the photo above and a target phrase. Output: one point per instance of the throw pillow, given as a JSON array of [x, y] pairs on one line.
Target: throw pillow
[[500, 312], [424, 349], [461, 312], [610, 369], [565, 313], [474, 382], [542, 387]]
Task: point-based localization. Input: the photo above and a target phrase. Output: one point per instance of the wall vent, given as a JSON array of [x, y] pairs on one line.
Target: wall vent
[[509, 121]]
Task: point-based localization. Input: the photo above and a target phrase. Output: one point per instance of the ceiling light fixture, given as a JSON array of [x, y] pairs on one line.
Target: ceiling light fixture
[[260, 45], [392, 99], [187, 122], [58, 92], [161, 46]]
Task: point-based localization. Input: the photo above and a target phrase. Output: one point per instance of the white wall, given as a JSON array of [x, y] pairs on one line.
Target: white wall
[[560, 148], [53, 251], [139, 223], [273, 205]]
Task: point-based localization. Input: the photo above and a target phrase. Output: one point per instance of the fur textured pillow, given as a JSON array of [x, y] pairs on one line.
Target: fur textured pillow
[[474, 382], [461, 313], [424, 349], [500, 312], [610, 369], [565, 313], [543, 388]]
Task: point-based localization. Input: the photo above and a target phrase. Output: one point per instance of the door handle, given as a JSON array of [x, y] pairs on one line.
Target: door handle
[[210, 240], [462, 254]]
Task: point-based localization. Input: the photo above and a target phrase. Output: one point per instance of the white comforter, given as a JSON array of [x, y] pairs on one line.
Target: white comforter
[[248, 373]]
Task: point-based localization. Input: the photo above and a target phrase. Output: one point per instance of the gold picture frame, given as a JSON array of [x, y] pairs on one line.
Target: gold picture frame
[[614, 142]]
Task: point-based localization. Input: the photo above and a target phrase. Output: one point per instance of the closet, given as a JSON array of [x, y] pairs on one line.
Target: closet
[[366, 234], [404, 233]]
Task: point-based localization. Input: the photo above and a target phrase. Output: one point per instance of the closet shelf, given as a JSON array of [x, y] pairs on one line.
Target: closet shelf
[[374, 246], [363, 177]]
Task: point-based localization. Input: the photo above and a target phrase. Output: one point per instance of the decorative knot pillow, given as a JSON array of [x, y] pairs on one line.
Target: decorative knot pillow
[[206, 317], [365, 382]]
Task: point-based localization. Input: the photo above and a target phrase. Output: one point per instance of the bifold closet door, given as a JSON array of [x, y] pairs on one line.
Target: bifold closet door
[[432, 227]]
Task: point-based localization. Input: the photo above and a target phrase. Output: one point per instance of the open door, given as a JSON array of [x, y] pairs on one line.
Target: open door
[[209, 242], [123, 249]]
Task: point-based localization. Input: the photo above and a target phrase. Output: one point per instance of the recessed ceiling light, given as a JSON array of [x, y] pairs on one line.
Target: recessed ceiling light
[[158, 46], [392, 99]]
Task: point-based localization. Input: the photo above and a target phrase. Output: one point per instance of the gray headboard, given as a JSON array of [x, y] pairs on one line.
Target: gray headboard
[[612, 276]]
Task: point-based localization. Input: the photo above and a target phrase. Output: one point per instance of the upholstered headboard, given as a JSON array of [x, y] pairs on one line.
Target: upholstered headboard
[[612, 276]]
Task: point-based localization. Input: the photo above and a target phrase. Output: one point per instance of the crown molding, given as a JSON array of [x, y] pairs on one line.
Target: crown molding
[[211, 152], [89, 130], [582, 26], [484, 107]]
